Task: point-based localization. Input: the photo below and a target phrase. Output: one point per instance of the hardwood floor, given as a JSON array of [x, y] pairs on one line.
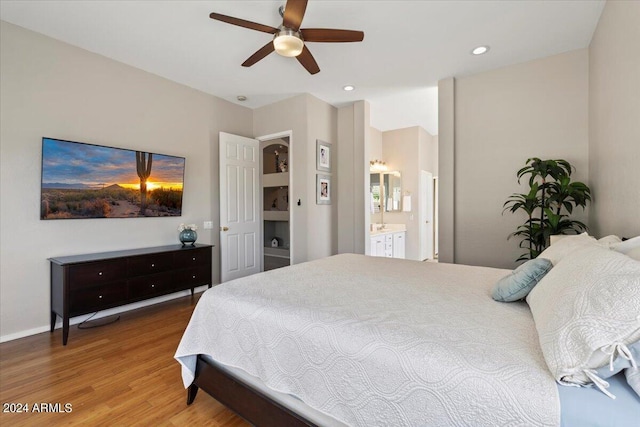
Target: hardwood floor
[[122, 374]]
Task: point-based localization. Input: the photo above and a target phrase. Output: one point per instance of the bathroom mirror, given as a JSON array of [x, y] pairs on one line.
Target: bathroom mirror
[[386, 191], [375, 192], [392, 182]]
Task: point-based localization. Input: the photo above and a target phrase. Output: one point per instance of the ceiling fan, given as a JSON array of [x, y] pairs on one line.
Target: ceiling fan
[[289, 39]]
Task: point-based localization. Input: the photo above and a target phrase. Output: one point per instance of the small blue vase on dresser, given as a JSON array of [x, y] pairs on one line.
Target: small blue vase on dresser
[[188, 236]]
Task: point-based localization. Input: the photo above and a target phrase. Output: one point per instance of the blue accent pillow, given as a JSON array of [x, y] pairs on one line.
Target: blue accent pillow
[[519, 283]]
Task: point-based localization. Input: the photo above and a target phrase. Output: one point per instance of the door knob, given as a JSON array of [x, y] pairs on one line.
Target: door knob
[[224, 228]]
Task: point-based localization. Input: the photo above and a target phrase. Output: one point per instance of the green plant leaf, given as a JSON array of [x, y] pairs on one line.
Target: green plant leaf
[[551, 199]]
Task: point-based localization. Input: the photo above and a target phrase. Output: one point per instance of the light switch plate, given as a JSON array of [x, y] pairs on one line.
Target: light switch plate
[[208, 225]]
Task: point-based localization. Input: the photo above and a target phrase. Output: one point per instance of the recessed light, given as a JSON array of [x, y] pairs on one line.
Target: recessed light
[[348, 88], [241, 98], [480, 50]]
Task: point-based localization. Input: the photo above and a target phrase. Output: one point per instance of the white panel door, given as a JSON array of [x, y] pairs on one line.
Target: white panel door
[[426, 215], [239, 207]]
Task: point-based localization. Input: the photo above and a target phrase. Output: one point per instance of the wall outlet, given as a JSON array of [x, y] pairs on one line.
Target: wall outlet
[[208, 225]]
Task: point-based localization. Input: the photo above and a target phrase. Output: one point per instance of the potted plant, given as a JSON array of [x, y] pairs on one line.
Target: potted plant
[[548, 204]]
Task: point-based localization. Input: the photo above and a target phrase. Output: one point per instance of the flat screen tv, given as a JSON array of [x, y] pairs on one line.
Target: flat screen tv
[[81, 180]]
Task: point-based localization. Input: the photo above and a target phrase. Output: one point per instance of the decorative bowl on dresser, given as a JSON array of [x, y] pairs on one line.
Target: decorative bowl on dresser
[[82, 284]]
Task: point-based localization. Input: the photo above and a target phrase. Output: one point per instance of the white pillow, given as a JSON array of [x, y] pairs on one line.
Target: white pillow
[[586, 311], [634, 253], [627, 245], [565, 246], [610, 240]]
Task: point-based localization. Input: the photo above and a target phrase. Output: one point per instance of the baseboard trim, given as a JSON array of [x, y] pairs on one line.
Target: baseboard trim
[[101, 314]]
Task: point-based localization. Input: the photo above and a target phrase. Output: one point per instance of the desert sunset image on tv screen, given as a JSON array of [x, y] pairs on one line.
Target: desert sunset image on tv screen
[[82, 180]]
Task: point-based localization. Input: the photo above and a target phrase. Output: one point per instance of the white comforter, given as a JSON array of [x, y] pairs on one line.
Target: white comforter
[[376, 341]]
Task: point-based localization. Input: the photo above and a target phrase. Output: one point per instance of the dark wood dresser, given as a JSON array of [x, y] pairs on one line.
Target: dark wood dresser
[[82, 284]]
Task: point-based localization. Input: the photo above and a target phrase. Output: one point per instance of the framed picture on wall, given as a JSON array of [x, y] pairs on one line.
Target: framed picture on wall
[[323, 189], [323, 156]]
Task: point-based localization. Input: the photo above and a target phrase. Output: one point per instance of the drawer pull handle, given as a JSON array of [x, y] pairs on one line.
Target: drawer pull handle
[[100, 273], [153, 265], [194, 258], [153, 286], [100, 297], [194, 276]]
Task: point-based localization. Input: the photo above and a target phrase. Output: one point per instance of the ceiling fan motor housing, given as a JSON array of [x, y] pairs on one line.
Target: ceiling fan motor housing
[[288, 42]]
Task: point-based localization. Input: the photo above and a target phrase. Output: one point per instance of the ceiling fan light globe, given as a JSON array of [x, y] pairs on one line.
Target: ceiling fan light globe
[[288, 43]]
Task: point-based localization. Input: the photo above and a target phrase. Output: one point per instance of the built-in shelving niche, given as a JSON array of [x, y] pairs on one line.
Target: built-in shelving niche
[[275, 191]]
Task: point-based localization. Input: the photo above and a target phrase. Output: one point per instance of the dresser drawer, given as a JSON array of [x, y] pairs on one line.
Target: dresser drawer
[[149, 264], [147, 286], [192, 277], [95, 273], [192, 257], [97, 297]]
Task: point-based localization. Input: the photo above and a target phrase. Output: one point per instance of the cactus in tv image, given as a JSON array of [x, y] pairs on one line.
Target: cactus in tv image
[[143, 167]]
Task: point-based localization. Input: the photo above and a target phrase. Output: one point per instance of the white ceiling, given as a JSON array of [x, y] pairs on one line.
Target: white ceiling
[[408, 45]]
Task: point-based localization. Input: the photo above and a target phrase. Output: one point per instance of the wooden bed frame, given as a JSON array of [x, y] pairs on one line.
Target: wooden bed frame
[[249, 403]]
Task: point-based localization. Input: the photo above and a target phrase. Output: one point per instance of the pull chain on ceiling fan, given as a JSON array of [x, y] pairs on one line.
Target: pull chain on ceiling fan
[[289, 39]]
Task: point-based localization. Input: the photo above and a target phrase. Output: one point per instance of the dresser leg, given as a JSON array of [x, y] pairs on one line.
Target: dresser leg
[[54, 316], [65, 330], [192, 291]]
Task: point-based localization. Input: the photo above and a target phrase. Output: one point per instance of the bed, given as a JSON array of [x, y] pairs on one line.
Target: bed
[[356, 340]]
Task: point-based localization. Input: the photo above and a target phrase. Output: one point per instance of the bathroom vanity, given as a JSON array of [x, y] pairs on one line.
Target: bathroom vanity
[[388, 241]]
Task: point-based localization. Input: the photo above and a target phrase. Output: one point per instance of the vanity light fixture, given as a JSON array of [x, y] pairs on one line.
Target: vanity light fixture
[[377, 166], [480, 50], [348, 88]]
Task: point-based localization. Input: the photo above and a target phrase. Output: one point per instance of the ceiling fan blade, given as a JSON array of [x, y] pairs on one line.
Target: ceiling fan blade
[[242, 23], [307, 61], [293, 13], [329, 35], [260, 53]]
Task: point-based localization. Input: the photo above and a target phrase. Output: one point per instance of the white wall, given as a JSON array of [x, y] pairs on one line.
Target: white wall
[[614, 121], [290, 115], [447, 170], [501, 118], [401, 152], [53, 89], [375, 144], [408, 151], [314, 230], [322, 120], [375, 153], [429, 152], [429, 162], [354, 133]]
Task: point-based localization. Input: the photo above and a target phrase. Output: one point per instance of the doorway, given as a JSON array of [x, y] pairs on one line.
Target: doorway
[[254, 204], [276, 214], [425, 216]]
